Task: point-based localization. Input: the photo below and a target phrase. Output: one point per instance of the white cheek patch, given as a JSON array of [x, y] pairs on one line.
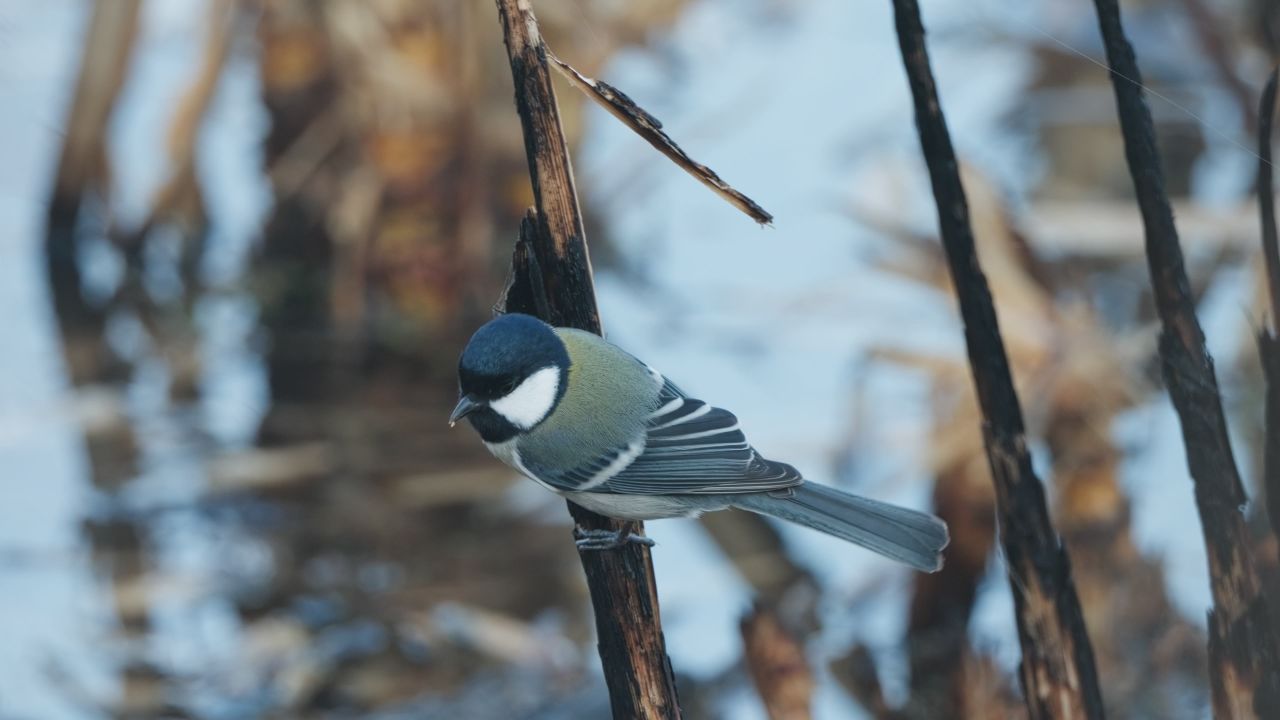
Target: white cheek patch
[[530, 402]]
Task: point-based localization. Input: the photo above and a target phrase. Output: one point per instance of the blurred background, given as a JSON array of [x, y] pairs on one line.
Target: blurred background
[[243, 241]]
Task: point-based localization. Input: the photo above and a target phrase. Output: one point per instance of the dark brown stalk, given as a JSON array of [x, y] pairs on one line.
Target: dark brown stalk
[[1243, 668], [1057, 672], [776, 663], [1268, 343], [623, 591], [1267, 198]]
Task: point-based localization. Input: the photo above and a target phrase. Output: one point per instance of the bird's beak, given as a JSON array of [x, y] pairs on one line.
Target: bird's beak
[[466, 406]]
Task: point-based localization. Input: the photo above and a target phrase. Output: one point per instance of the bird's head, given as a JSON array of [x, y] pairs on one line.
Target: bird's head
[[511, 375]]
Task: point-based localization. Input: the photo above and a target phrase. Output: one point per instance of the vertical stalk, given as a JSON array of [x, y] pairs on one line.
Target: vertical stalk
[[1057, 672], [1243, 668], [552, 279]]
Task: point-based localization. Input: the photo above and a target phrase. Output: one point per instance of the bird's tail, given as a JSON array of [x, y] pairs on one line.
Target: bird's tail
[[908, 536]]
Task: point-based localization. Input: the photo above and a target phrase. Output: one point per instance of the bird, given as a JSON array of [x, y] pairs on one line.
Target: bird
[[591, 422]]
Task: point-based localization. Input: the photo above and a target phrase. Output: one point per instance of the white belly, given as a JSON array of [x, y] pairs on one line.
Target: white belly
[[648, 507]]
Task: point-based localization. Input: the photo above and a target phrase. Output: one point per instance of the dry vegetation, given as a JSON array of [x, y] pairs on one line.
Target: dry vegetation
[[399, 181]]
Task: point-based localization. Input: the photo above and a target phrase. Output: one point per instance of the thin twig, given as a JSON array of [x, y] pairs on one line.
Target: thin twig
[[623, 591], [1058, 673], [648, 127], [1268, 343], [1243, 670], [1266, 197]]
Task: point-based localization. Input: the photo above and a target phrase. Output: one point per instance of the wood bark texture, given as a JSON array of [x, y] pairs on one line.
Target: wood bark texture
[[1268, 343], [1243, 671], [1058, 674], [552, 279]]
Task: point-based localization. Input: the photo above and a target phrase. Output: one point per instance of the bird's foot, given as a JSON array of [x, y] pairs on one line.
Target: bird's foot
[[608, 539]]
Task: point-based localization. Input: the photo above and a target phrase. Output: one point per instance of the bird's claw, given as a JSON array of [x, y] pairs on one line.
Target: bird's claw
[[608, 539]]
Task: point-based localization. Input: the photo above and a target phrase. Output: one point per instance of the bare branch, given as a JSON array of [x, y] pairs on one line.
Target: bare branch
[[1267, 196], [1268, 343], [1058, 674], [552, 279], [647, 126], [1243, 669]]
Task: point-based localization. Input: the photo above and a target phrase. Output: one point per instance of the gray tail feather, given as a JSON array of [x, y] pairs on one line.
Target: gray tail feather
[[908, 536]]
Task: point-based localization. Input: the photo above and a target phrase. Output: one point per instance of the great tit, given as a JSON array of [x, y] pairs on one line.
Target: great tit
[[588, 421]]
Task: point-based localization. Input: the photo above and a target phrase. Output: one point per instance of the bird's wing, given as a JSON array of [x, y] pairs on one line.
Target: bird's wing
[[687, 447]]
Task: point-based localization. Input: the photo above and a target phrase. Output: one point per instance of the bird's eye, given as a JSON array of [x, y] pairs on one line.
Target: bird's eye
[[507, 387]]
